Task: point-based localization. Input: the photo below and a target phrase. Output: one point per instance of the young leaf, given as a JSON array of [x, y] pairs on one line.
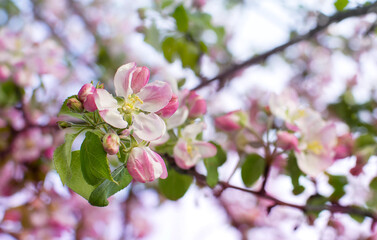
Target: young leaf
[[94, 163], [294, 172], [337, 182], [10, 94], [313, 203], [62, 157], [181, 18], [175, 185], [108, 188], [169, 48], [77, 182], [341, 4], [252, 169], [213, 163]]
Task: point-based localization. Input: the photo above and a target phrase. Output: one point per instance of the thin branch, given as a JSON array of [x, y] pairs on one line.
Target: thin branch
[[323, 23], [333, 208]]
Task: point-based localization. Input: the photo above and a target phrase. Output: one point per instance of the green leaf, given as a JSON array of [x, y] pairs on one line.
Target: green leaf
[[94, 164], [175, 185], [10, 94], [77, 182], [313, 203], [108, 188], [64, 110], [294, 172], [181, 18], [166, 3], [252, 169], [338, 182], [357, 218], [169, 48], [152, 36], [189, 54], [62, 157], [372, 202], [341, 4], [364, 140], [212, 164]]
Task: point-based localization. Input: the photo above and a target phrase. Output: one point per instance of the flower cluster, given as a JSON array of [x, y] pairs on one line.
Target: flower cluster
[[134, 125]]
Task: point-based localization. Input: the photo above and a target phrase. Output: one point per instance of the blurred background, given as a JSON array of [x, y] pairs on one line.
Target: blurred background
[[49, 49]]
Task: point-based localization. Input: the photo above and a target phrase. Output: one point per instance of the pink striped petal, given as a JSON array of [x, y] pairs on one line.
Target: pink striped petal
[[140, 77], [148, 127], [155, 96], [122, 79], [205, 149], [114, 118]]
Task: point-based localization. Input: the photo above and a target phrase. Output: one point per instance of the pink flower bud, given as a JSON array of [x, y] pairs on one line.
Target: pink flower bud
[[140, 77], [197, 105], [170, 108], [344, 147], [111, 143], [287, 141], [231, 121], [144, 165], [86, 96], [4, 73], [75, 105]]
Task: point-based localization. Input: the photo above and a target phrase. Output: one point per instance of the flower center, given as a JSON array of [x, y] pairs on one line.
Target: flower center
[[129, 104], [315, 146]]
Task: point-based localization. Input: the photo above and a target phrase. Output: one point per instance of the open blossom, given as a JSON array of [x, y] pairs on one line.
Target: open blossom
[[188, 151], [145, 165], [140, 100], [286, 106], [316, 146]]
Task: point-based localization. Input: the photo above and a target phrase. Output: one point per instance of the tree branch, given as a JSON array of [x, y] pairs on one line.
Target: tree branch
[[333, 208], [323, 23]]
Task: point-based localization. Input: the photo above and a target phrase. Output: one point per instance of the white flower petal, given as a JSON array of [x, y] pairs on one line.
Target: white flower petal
[[178, 118], [192, 130], [148, 127], [114, 118], [122, 79], [104, 100]]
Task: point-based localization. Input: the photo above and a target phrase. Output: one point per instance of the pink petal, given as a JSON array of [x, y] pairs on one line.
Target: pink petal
[[140, 77], [155, 96], [144, 165], [205, 149], [113, 117], [122, 79], [148, 127]]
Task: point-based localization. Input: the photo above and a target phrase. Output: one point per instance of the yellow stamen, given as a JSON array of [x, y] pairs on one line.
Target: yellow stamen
[[315, 146]]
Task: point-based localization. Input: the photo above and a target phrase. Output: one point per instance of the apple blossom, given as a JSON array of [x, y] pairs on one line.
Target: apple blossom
[[75, 105], [111, 142], [316, 146], [170, 108], [231, 121], [86, 95], [196, 104], [188, 151], [287, 141], [145, 165], [138, 102]]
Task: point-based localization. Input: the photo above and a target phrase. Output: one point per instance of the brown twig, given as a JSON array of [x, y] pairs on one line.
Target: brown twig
[[333, 208], [322, 24]]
